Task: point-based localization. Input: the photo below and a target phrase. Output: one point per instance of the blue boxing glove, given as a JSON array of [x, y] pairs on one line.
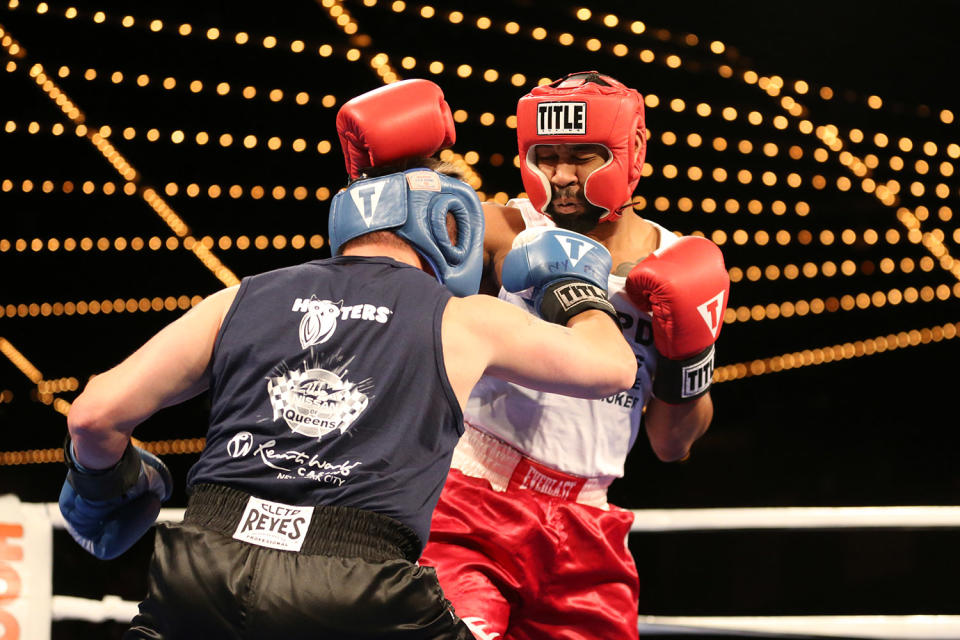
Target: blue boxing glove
[[567, 272], [107, 511]]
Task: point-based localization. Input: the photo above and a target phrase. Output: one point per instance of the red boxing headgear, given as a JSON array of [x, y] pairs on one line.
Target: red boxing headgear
[[584, 108]]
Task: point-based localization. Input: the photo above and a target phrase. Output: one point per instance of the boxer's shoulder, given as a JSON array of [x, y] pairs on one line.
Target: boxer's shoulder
[[502, 224]]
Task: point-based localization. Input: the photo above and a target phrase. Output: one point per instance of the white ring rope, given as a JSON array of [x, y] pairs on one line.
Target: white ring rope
[[875, 627], [653, 520], [650, 520]]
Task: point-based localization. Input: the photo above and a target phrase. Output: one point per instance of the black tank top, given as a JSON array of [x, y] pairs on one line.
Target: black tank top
[[328, 388]]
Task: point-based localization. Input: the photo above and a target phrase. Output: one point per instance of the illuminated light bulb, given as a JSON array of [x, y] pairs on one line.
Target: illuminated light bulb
[[673, 61], [436, 67], [250, 141], [593, 44], [185, 29], [196, 86], [299, 144], [213, 33], [324, 146], [538, 33], [463, 70], [226, 140], [584, 14], [483, 22], [353, 55], [269, 42], [155, 25]]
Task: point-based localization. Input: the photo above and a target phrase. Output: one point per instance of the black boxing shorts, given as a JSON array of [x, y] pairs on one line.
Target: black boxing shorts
[[353, 577]]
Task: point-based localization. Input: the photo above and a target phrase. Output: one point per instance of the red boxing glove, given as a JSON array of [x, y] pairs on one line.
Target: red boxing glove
[[685, 289], [406, 119]]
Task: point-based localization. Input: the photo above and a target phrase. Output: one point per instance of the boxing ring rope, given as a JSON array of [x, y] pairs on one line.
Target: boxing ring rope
[[912, 627]]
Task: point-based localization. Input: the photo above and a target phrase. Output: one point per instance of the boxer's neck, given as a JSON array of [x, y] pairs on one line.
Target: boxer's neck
[[404, 254], [628, 238]]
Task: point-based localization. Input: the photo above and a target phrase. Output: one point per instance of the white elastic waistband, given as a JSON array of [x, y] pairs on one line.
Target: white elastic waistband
[[480, 455]]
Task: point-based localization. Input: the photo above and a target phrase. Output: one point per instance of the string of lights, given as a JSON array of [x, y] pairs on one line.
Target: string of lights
[[45, 389], [178, 136], [155, 243], [835, 353], [94, 307], [833, 304], [170, 83], [772, 85], [113, 156], [887, 195], [177, 446], [191, 190]]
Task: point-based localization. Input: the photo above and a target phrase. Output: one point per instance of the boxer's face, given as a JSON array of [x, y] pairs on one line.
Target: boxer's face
[[567, 167]]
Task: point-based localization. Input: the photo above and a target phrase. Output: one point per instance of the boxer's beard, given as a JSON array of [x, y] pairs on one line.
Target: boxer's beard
[[581, 222]]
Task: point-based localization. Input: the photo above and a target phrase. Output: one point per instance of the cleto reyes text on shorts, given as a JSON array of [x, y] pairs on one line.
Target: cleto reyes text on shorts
[[273, 524]]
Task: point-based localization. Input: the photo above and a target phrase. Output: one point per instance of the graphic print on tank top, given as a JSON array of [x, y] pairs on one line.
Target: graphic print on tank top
[[318, 397]]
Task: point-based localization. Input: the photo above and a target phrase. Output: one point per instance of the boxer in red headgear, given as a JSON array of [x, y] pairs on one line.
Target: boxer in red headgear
[[523, 540]]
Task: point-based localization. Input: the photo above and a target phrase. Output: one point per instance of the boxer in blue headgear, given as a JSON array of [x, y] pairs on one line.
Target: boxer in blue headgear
[[415, 204], [337, 395]]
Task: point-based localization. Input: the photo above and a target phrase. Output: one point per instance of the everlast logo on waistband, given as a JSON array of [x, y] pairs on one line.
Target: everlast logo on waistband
[[273, 524], [532, 476], [561, 118]]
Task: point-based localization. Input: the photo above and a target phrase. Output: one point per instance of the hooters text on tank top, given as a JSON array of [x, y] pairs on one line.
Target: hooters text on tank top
[[328, 387], [589, 438]]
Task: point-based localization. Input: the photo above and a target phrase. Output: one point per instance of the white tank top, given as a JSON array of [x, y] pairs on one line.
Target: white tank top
[[589, 438]]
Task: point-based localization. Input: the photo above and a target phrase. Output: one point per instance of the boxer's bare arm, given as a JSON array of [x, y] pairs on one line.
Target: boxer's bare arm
[[673, 428], [170, 368], [588, 358], [502, 224]]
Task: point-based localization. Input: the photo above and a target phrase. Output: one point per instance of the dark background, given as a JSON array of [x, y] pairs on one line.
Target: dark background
[[873, 430]]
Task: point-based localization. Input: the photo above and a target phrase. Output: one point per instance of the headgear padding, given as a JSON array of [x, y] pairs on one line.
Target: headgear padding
[[414, 204], [584, 108]]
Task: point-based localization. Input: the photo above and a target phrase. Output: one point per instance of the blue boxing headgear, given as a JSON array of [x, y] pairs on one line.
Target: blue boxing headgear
[[414, 205]]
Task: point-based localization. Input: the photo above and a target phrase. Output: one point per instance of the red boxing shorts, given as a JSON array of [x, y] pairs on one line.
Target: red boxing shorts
[[525, 563]]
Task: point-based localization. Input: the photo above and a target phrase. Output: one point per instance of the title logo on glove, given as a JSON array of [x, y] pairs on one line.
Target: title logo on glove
[[710, 312]]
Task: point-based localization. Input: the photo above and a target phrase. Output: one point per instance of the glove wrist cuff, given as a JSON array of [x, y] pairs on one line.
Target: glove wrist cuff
[[564, 299], [106, 484], [681, 381]]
